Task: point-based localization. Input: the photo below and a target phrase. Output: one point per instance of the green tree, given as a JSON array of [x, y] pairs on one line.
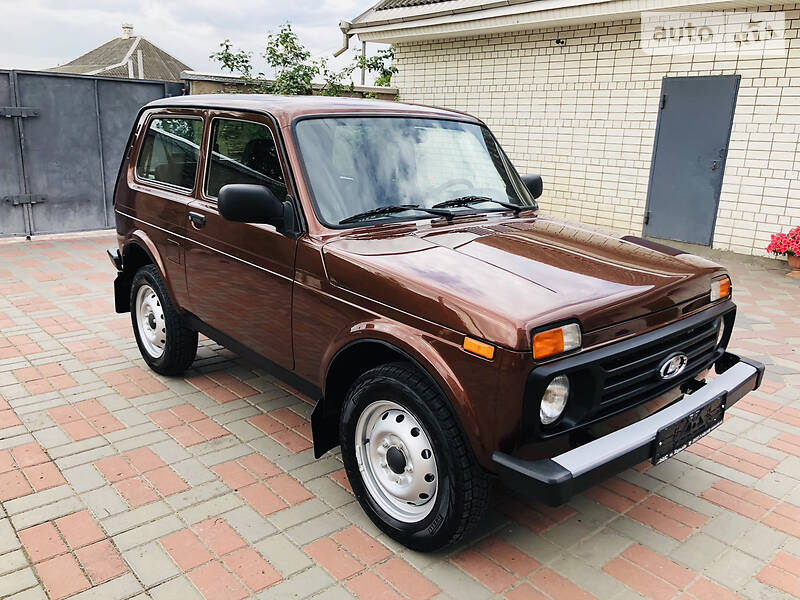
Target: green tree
[[294, 69]]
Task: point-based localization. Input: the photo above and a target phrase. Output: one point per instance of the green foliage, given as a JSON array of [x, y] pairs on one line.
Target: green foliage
[[294, 69], [382, 64]]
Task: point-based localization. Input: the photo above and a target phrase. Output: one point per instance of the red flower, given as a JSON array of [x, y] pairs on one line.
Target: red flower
[[785, 243]]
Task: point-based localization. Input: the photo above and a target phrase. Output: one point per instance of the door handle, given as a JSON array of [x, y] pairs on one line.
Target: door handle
[[196, 218]]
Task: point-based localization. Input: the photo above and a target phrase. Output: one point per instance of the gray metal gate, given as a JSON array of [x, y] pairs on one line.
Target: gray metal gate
[[61, 141], [692, 135]]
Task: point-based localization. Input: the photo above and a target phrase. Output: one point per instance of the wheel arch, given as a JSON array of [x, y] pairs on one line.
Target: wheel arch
[[139, 250], [358, 356]]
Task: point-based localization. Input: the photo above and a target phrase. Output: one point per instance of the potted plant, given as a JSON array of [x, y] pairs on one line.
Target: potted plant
[[788, 245]]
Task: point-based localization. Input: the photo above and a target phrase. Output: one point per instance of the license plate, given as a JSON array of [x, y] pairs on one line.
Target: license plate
[[678, 435]]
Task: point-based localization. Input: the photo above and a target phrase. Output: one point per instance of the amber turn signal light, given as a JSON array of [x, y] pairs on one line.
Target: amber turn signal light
[[478, 347], [555, 341], [720, 288]]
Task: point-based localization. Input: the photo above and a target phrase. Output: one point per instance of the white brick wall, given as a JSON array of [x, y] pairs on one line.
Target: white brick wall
[[584, 116]]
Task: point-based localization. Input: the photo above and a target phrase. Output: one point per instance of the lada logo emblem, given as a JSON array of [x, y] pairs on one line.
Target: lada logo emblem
[[673, 366]]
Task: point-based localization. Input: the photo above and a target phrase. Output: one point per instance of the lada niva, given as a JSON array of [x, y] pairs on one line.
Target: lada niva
[[388, 261]]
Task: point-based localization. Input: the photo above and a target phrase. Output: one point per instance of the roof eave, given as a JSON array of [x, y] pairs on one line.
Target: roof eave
[[508, 17]]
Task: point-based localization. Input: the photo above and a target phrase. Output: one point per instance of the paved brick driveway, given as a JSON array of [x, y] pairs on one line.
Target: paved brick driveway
[[118, 483]]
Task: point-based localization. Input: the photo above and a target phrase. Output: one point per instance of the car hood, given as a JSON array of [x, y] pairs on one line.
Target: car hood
[[499, 279]]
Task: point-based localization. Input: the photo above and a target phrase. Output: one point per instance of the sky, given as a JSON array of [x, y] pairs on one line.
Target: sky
[[36, 34]]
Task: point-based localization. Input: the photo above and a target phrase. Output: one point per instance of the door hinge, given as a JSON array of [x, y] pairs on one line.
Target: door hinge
[[646, 217], [663, 101], [18, 111], [25, 199]]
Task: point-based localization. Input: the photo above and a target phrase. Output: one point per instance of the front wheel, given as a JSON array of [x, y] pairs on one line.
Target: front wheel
[[166, 345], [407, 460]]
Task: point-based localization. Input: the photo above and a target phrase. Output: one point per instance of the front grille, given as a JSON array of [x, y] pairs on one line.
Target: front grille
[[632, 376]]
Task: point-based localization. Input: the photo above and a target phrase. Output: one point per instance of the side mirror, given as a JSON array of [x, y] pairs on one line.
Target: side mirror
[[534, 184], [249, 203]]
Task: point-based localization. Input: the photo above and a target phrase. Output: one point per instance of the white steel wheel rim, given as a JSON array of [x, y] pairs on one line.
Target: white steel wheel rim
[[150, 321], [397, 461]]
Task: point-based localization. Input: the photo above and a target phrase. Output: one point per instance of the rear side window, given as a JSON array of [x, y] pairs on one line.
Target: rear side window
[[243, 152], [170, 151]]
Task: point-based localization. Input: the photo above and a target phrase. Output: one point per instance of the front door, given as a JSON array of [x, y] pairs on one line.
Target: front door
[[240, 274], [692, 135]]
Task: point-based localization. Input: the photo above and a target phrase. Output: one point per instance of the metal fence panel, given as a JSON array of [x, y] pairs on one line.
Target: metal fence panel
[[70, 146], [12, 213], [61, 147]]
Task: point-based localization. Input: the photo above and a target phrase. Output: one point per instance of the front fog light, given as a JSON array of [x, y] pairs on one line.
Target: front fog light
[[554, 400]]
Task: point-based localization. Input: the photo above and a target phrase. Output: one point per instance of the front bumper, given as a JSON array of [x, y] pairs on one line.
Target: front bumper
[[554, 480]]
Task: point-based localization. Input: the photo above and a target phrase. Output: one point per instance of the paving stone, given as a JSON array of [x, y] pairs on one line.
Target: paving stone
[[727, 527], [197, 494], [590, 578], [698, 551], [315, 528], [121, 588], [8, 537], [104, 502], [193, 472], [151, 564], [35, 593], [37, 499], [733, 568], [283, 554], [48, 512], [601, 547], [16, 582], [335, 593], [299, 513], [130, 519], [148, 532], [448, 577], [330, 492], [249, 524], [51, 437], [12, 561], [83, 478], [301, 585], [179, 588]]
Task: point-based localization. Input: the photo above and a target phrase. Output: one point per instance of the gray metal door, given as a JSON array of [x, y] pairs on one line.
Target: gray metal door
[[692, 135], [13, 213], [61, 147], [69, 133]]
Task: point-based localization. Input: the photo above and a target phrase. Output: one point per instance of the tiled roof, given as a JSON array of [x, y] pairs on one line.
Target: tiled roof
[[111, 60], [387, 4]]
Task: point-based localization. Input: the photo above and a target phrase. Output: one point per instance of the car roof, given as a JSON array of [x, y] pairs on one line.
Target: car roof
[[287, 108]]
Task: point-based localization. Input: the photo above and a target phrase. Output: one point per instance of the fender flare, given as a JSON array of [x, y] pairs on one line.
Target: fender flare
[[325, 430], [139, 238]]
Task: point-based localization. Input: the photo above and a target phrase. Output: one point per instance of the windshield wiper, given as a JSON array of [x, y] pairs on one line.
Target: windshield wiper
[[468, 200], [394, 208]]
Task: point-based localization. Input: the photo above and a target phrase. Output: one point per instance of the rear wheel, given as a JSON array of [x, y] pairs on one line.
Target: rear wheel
[[166, 345], [407, 460]]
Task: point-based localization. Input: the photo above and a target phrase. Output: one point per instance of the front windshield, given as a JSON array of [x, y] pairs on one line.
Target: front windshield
[[357, 164]]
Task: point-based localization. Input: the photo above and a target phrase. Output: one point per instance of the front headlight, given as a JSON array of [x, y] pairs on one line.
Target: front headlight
[[554, 400]]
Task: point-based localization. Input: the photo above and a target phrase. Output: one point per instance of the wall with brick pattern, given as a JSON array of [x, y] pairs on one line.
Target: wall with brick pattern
[[584, 116]]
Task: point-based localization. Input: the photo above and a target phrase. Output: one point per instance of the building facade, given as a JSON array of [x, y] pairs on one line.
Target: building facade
[[580, 103]]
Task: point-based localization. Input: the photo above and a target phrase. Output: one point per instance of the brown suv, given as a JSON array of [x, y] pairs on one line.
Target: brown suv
[[388, 260]]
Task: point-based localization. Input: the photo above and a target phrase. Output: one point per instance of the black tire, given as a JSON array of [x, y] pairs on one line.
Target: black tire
[[463, 486], [180, 347]]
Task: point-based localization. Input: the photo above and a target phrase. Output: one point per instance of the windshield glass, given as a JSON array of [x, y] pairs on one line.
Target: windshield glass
[[357, 164]]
